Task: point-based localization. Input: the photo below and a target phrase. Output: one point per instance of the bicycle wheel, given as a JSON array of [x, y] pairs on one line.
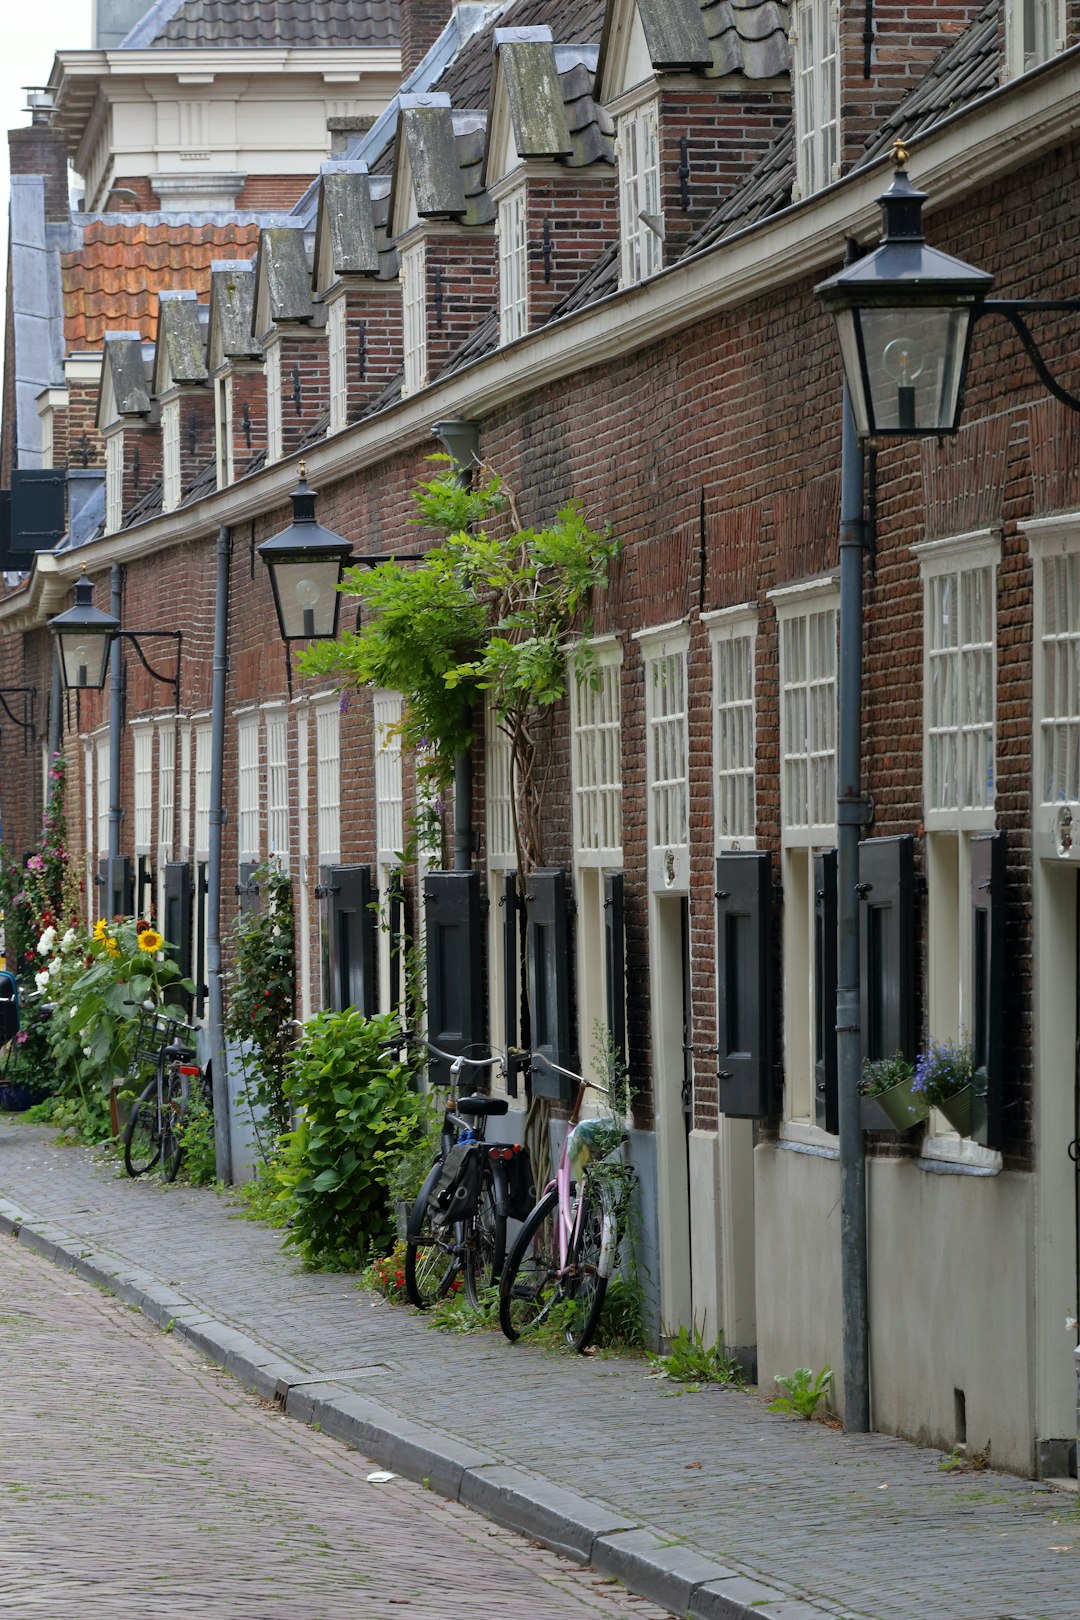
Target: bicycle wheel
[[529, 1289], [173, 1116], [142, 1133], [584, 1289], [431, 1257], [484, 1239]]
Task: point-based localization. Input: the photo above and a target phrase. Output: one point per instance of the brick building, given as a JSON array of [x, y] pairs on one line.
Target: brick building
[[595, 230]]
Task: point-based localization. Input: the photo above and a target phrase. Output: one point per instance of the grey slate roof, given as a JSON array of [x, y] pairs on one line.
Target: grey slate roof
[[128, 373], [345, 233], [592, 129], [526, 62], [248, 24], [712, 37], [181, 340], [484, 339], [426, 130], [147, 506], [766, 189], [232, 307], [281, 270], [600, 279], [204, 483], [965, 70]]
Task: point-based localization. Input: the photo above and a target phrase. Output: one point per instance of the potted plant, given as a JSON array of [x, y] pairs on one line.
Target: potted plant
[[944, 1076], [890, 1083]]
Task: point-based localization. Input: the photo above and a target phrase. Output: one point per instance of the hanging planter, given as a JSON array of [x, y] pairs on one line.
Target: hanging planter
[[890, 1100], [958, 1109], [944, 1077]]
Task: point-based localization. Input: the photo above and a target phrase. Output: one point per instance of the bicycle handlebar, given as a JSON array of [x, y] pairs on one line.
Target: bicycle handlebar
[[579, 1079]]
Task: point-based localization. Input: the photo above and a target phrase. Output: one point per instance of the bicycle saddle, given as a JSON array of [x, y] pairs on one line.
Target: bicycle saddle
[[490, 1107]]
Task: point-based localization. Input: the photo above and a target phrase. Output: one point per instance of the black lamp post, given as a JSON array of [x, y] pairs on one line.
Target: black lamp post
[[306, 562], [904, 316], [84, 636]]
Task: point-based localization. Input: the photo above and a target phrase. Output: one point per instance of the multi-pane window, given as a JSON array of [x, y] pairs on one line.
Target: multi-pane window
[[144, 789], [414, 318], [733, 730], [639, 194], [88, 828], [499, 780], [817, 93], [202, 791], [513, 268], [328, 782], [336, 336], [667, 747], [808, 717], [223, 406], [959, 693], [101, 752], [597, 754], [273, 402], [166, 789], [114, 482], [170, 455], [277, 784], [1036, 32], [1059, 656], [247, 788], [389, 835]]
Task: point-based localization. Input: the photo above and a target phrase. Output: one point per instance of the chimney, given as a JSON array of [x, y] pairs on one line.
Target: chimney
[[422, 21], [41, 149]]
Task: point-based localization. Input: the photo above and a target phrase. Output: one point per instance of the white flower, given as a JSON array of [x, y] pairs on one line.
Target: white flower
[[55, 965], [41, 979], [46, 942], [73, 1011], [68, 940], [87, 1051]]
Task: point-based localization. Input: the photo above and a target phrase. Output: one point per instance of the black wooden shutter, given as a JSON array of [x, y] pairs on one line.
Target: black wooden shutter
[[887, 970], [548, 950], [615, 962], [247, 888], [38, 516], [509, 906], [455, 977], [144, 887], [120, 887], [399, 927], [202, 968], [743, 977], [101, 878], [176, 922], [988, 952], [826, 1098], [354, 962]]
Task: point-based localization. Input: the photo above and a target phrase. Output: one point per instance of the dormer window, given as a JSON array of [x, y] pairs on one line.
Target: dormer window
[[114, 482], [413, 270], [170, 455], [223, 409], [273, 403], [336, 332], [816, 67], [513, 267], [641, 225], [1035, 32]]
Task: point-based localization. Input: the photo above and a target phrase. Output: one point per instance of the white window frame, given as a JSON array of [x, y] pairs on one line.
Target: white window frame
[[273, 403], [276, 721], [667, 741], [512, 232], [170, 455], [166, 803], [223, 437], [412, 274], [596, 753], [143, 788], [114, 481], [337, 332], [1054, 543], [815, 72], [939, 560], [733, 641], [328, 782], [89, 830], [499, 795], [389, 820], [638, 146], [248, 779], [202, 748], [103, 786], [1034, 32]]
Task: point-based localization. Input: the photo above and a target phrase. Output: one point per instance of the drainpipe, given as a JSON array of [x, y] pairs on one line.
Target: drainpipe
[[851, 814], [116, 724], [461, 441], [56, 709], [215, 985]]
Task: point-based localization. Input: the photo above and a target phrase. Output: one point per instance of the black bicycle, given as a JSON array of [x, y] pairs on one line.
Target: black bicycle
[[155, 1127], [457, 1225]]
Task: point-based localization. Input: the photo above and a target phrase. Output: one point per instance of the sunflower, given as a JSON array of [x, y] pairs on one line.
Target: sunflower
[[150, 941], [100, 929], [111, 946]]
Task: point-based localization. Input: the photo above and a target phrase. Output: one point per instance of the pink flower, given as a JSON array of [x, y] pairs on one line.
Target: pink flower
[[21, 1038]]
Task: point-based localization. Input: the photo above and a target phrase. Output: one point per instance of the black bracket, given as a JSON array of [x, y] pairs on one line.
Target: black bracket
[[26, 724], [1015, 312], [855, 810], [169, 635]]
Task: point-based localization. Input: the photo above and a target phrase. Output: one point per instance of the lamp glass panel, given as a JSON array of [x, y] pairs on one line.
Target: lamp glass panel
[[307, 597], [849, 350], [914, 367], [84, 658]]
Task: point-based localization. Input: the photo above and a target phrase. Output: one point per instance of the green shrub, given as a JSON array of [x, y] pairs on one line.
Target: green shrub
[[357, 1114], [199, 1165], [804, 1390]]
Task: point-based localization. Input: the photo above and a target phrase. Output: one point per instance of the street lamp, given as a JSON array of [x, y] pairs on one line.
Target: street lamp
[[84, 636], [904, 316], [306, 562]]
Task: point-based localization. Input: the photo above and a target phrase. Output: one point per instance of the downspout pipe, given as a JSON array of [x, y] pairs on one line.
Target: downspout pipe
[[851, 813], [461, 441], [116, 729], [215, 981], [56, 709]]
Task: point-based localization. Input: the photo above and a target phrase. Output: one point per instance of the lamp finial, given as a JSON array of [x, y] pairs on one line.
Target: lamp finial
[[302, 470], [899, 154]]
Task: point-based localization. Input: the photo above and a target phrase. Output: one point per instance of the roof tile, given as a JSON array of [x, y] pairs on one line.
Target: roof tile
[[220, 24]]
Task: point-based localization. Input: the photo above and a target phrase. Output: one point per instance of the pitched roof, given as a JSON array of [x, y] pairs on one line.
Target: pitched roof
[[202, 24], [712, 37], [113, 279], [965, 70], [766, 189]]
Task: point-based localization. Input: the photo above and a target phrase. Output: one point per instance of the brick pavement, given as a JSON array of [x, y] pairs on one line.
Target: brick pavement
[[137, 1480], [864, 1525]]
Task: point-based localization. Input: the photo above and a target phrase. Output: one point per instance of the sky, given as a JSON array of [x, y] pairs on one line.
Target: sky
[[33, 31]]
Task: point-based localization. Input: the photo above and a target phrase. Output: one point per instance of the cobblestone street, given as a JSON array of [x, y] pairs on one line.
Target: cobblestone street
[[137, 1480]]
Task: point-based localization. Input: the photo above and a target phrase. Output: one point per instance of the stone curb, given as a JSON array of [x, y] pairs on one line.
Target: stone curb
[[683, 1580]]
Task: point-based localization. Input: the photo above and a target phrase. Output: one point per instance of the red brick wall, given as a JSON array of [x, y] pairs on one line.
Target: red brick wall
[[85, 444], [461, 288], [725, 136], [305, 382], [197, 438], [248, 415], [272, 191], [142, 461], [580, 208], [39, 149], [373, 340], [146, 199], [422, 21]]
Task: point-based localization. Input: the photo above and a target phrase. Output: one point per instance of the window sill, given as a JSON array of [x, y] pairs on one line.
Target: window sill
[[799, 1136], [949, 1155]]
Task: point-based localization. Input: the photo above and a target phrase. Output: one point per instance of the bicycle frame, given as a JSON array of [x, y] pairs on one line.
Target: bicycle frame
[[569, 1216]]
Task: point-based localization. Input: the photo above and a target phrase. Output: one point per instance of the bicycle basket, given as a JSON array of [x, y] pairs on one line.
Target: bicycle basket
[[520, 1187], [455, 1195]]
